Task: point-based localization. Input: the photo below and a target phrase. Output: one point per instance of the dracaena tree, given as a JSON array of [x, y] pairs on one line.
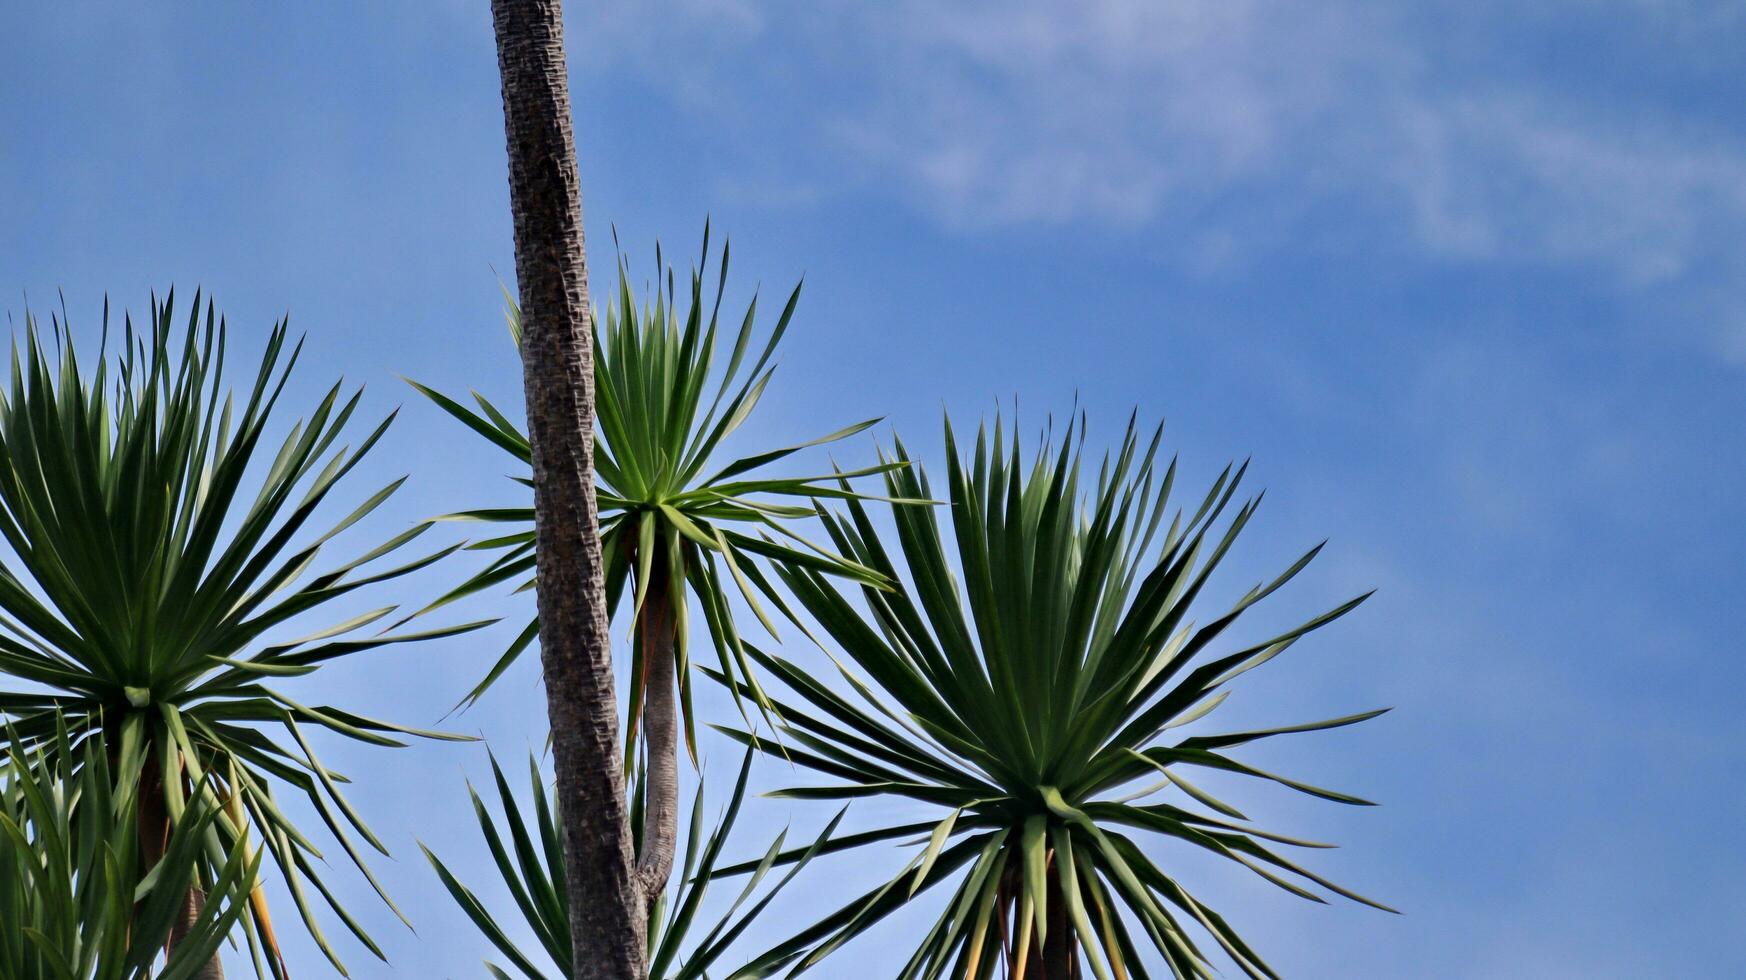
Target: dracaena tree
[[76, 902], [159, 567], [678, 521], [1037, 659]]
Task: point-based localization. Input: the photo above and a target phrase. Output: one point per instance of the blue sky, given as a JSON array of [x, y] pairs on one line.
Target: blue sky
[[1466, 279]]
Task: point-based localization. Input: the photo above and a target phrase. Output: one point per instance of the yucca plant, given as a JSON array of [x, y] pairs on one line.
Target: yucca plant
[[1028, 668], [531, 865], [676, 523], [146, 575], [75, 903]]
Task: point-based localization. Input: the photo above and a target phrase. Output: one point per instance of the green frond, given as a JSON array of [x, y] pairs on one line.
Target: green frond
[[1030, 664], [675, 511], [73, 900], [531, 867], [159, 542]]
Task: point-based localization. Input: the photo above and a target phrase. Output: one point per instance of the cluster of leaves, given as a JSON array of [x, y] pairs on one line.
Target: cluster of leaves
[[672, 523], [74, 904], [1031, 681], [144, 579], [531, 866]]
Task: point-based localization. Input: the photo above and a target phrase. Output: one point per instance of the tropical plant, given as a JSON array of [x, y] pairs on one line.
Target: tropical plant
[[143, 581], [1031, 683], [671, 517], [74, 901], [532, 867], [666, 516]]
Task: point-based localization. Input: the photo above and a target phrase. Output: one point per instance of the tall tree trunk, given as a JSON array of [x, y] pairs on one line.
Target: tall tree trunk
[[154, 838], [661, 731], [608, 918]]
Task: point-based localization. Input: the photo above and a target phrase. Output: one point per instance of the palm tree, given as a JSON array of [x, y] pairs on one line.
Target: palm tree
[[675, 523], [144, 581], [607, 912], [1033, 677], [532, 867], [71, 868]]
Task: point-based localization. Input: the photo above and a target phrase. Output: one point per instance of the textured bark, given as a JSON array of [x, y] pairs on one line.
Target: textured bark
[[661, 734], [153, 818], [608, 917], [194, 904]]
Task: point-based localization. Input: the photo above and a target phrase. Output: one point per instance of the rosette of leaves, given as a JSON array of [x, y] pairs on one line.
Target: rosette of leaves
[[75, 902], [154, 550], [1034, 662], [678, 522], [528, 852], [675, 519]]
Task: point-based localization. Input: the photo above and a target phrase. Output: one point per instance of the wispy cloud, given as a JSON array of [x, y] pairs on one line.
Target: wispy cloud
[[1237, 119], [1109, 109], [1131, 110], [1506, 174]]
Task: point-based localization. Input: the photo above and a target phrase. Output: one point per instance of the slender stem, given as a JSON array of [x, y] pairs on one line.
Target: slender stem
[[660, 726]]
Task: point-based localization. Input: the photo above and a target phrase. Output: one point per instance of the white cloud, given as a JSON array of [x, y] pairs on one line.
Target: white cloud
[[1237, 125], [1503, 174], [1109, 109], [1130, 110]]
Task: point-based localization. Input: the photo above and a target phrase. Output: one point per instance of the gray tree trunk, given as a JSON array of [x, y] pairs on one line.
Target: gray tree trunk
[[608, 917], [661, 733], [193, 905]]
